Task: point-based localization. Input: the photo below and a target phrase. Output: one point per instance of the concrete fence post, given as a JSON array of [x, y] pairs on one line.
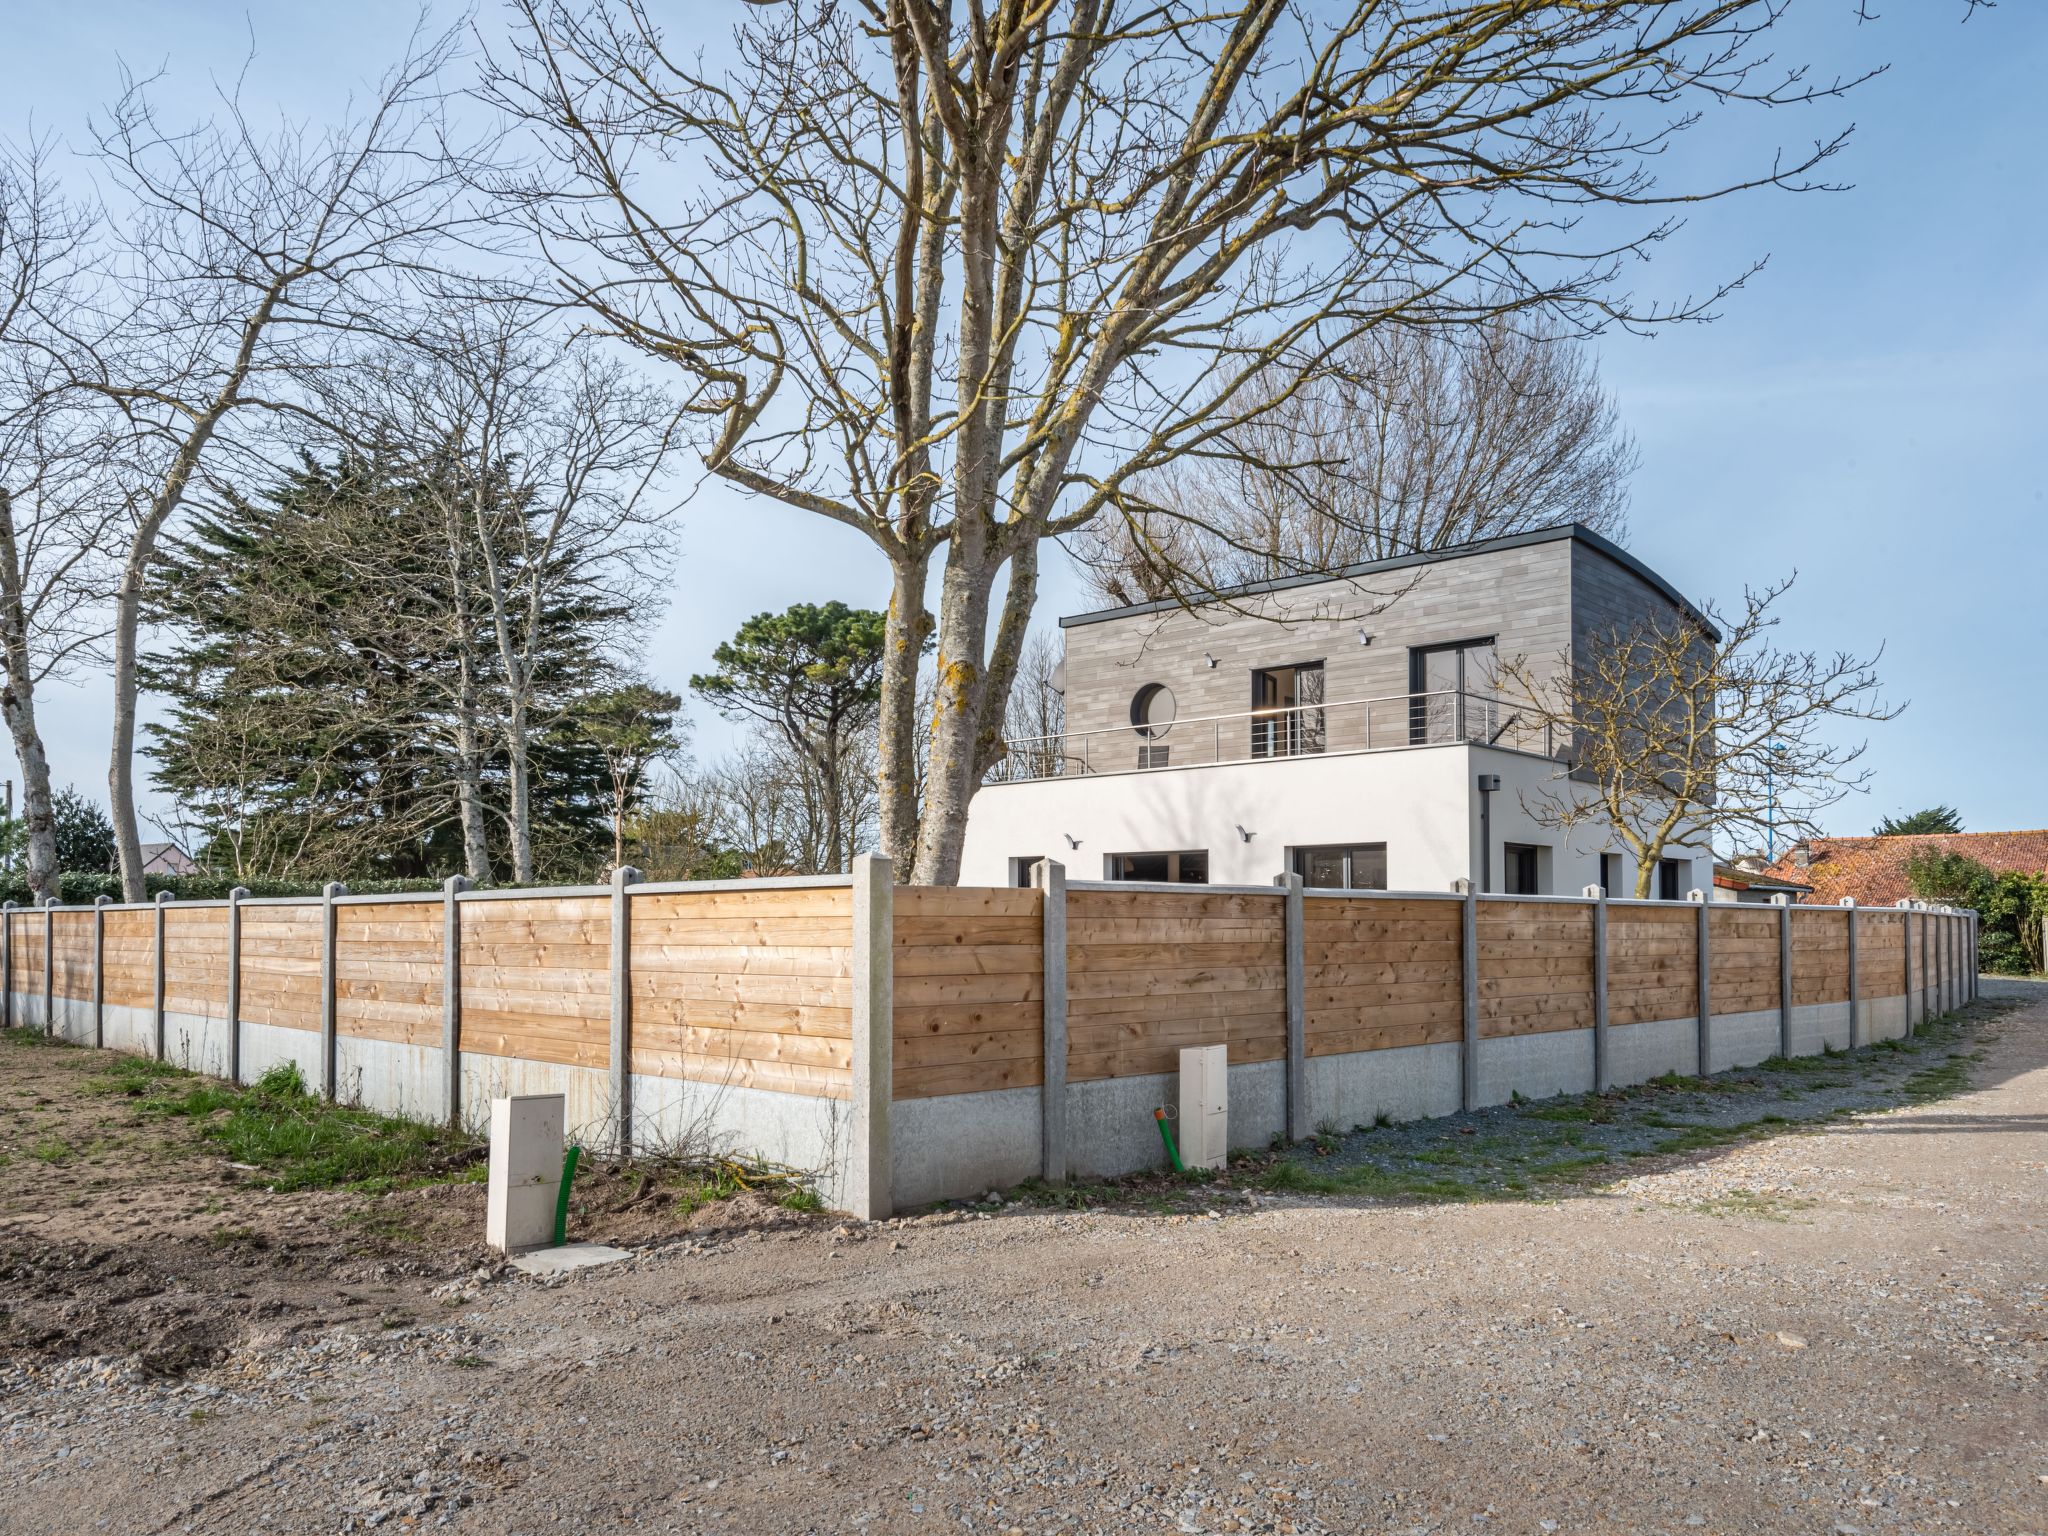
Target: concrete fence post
[[99, 970], [1926, 962], [7, 910], [1906, 954], [451, 997], [1602, 1072], [50, 966], [157, 1003], [622, 1010], [867, 1184], [1050, 876], [1468, 991], [236, 897], [1856, 1035], [1292, 903], [1784, 903], [1703, 981], [330, 1053]]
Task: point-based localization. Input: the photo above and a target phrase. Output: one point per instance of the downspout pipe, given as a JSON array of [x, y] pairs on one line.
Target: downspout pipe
[[1488, 783]]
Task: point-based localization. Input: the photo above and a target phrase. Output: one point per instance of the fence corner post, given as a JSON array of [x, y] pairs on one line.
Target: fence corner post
[[157, 1003], [50, 967], [7, 911], [1783, 902], [451, 997], [1856, 1032], [621, 1057], [1468, 992], [868, 1178], [330, 1054], [99, 970], [1703, 981], [1050, 876], [236, 897], [1602, 1071]]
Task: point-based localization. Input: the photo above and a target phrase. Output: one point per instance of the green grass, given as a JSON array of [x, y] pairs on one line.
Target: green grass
[[1750, 1205], [52, 1149], [1942, 1080], [296, 1139]]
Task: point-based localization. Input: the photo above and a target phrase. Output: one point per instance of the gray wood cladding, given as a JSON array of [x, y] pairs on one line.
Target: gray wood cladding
[[1539, 599]]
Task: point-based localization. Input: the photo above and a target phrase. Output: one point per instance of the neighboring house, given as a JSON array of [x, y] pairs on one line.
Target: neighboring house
[[167, 859], [1745, 881], [1872, 870], [1343, 727]]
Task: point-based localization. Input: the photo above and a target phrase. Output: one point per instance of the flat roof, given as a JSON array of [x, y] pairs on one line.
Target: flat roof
[[1578, 532]]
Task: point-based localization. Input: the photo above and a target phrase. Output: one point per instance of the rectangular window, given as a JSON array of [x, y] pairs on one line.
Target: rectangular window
[[1450, 691], [1669, 874], [1287, 720], [1187, 867], [1020, 869], [1357, 867], [1610, 874], [1524, 877]]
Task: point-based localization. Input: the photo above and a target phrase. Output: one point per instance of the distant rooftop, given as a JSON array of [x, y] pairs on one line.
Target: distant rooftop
[[1575, 531]]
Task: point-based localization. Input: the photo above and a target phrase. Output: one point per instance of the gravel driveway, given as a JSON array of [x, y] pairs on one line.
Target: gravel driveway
[[1837, 1330]]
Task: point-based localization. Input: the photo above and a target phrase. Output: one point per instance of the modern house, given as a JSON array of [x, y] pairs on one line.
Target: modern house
[[1344, 727]]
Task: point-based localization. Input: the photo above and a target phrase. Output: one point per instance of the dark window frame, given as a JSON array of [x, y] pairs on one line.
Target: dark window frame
[[1514, 858], [1298, 858], [1292, 712], [1173, 857], [1418, 701]]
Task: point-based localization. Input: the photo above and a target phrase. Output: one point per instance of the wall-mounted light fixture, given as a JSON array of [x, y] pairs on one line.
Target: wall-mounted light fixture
[[1072, 841], [1364, 638], [1247, 836], [1209, 659]]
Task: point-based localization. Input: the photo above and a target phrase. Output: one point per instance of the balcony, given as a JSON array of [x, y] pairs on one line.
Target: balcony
[[1360, 725]]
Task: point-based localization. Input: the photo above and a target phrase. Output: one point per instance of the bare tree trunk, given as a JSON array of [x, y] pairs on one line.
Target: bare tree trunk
[[469, 798], [519, 813], [964, 595], [903, 639], [121, 763], [18, 704], [1018, 600]]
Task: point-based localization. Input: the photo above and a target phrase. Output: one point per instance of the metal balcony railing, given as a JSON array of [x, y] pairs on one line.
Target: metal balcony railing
[[1304, 730]]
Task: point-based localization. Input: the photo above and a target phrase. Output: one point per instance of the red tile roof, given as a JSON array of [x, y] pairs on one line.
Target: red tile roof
[[1873, 869]]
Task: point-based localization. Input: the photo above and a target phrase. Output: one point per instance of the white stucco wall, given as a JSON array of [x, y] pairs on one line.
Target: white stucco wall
[[1420, 801]]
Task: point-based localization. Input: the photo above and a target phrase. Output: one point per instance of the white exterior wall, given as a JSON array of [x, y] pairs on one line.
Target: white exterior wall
[[1422, 802]]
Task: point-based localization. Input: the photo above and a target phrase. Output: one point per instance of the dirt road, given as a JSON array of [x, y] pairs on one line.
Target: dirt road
[[1833, 1331]]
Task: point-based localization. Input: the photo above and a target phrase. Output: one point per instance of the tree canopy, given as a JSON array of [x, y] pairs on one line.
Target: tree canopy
[[1939, 818]]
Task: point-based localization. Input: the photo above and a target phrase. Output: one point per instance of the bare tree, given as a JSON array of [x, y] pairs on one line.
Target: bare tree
[[252, 262], [1035, 724], [1415, 440], [961, 278], [1696, 730], [540, 457], [58, 497]]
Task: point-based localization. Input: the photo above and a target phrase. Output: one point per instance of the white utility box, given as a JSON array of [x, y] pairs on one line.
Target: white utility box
[[1205, 1106], [526, 1171]]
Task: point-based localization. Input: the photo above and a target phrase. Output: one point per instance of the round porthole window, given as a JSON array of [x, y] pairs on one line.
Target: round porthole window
[[1152, 709]]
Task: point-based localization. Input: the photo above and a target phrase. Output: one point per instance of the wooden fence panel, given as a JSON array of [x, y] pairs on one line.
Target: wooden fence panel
[[1535, 967], [1820, 955], [1652, 964], [1149, 972], [748, 988], [536, 979], [1880, 954], [28, 953], [387, 971], [969, 1004], [196, 961], [1379, 973], [71, 976], [281, 965], [128, 950], [1743, 950]]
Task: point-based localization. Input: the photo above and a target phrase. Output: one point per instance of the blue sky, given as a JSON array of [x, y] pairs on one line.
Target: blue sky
[[1871, 410]]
